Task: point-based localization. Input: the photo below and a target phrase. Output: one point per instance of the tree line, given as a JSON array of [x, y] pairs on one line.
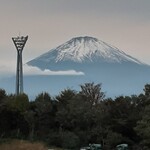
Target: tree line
[[73, 119]]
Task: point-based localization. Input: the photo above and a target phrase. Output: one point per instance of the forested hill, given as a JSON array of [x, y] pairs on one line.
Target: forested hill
[[76, 118]]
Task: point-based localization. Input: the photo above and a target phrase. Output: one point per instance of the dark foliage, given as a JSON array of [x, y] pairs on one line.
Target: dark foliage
[[73, 119]]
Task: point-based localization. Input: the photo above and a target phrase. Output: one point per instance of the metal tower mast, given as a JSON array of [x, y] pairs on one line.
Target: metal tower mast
[[19, 44]]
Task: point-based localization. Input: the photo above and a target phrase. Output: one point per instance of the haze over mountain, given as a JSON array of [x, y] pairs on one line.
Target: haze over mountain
[[81, 60]]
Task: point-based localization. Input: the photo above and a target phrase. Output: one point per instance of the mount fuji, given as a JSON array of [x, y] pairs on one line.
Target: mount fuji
[[119, 73], [82, 60], [82, 50]]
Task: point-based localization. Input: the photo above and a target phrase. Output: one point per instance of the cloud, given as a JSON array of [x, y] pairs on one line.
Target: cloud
[[30, 70], [8, 71]]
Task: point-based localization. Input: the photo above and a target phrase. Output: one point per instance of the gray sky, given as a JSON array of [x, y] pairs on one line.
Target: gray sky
[[49, 23]]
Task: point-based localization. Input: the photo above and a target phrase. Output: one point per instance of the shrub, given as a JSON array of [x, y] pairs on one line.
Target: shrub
[[70, 140]]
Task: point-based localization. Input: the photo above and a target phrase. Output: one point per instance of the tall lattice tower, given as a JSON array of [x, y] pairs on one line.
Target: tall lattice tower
[[19, 42]]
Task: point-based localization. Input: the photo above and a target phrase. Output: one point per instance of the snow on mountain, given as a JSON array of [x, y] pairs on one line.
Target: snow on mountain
[[81, 49]]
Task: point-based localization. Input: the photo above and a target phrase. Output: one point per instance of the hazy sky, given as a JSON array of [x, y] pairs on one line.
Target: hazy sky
[[49, 23]]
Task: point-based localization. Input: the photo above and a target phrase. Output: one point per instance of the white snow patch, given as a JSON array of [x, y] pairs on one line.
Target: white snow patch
[[81, 48]]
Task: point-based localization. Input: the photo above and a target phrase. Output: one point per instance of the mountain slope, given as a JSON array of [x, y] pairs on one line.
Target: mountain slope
[[82, 50]]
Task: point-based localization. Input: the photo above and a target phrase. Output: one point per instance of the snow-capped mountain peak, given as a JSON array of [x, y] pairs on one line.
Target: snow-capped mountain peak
[[87, 48]]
